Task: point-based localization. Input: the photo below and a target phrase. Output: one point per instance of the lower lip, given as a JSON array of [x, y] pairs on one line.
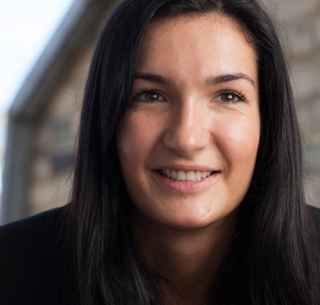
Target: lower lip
[[186, 186]]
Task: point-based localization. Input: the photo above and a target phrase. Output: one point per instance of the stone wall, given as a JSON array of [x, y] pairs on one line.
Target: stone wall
[[54, 140], [299, 23]]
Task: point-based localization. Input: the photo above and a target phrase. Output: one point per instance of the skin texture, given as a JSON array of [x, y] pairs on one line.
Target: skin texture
[[200, 113]]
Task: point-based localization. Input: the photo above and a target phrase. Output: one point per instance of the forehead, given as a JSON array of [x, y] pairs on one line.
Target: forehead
[[198, 44], [205, 21]]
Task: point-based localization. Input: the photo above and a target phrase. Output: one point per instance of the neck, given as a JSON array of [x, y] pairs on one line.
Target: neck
[[190, 259]]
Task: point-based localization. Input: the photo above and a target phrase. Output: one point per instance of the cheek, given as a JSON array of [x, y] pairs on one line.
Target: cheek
[[240, 142], [135, 138], [129, 141]]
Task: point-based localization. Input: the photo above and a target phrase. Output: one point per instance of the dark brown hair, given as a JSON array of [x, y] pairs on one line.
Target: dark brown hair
[[270, 261]]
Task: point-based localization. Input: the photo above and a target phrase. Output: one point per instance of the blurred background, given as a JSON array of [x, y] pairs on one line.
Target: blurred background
[[46, 47]]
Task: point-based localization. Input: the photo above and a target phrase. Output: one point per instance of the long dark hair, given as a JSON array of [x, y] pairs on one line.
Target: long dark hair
[[270, 259]]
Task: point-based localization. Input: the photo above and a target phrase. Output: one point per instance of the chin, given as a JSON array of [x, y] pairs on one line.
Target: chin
[[192, 222]]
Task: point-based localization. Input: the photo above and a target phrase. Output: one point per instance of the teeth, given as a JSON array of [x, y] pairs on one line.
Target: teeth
[[181, 176], [185, 176], [174, 175], [198, 176], [190, 176]]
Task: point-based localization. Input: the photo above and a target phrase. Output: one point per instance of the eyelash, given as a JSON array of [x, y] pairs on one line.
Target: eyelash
[[136, 97], [240, 96]]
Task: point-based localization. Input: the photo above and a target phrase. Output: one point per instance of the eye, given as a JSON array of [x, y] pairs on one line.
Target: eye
[[148, 96], [230, 97]]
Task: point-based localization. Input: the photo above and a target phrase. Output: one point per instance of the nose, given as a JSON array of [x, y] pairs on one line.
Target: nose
[[187, 133]]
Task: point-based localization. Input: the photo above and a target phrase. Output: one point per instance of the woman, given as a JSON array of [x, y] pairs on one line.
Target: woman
[[188, 178]]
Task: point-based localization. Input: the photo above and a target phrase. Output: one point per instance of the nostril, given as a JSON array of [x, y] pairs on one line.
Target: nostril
[[184, 146], [186, 139]]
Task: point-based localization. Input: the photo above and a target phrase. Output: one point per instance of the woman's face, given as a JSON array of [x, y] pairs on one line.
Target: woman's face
[[188, 142]]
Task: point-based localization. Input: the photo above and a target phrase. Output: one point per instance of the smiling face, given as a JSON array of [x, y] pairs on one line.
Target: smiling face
[[188, 142]]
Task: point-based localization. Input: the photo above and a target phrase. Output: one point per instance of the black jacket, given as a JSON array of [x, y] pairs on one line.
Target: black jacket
[[33, 260]]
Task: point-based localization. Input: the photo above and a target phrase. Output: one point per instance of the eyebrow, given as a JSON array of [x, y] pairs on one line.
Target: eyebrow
[[152, 78], [224, 78]]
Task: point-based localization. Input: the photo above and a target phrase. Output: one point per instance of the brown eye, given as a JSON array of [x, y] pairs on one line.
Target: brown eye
[[148, 97], [152, 96], [229, 98]]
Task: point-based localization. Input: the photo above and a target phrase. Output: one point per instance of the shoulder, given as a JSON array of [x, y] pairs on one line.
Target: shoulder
[[32, 254], [30, 234], [30, 225]]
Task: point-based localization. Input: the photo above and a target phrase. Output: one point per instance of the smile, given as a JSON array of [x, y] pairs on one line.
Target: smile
[[182, 176]]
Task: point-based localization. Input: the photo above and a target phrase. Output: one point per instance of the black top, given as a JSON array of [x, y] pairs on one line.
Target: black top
[[33, 257], [33, 261]]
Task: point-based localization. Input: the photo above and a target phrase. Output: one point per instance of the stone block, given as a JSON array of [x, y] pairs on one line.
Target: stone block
[[41, 168], [49, 193], [316, 23], [309, 118], [301, 39], [291, 10], [312, 189], [311, 151], [306, 78]]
